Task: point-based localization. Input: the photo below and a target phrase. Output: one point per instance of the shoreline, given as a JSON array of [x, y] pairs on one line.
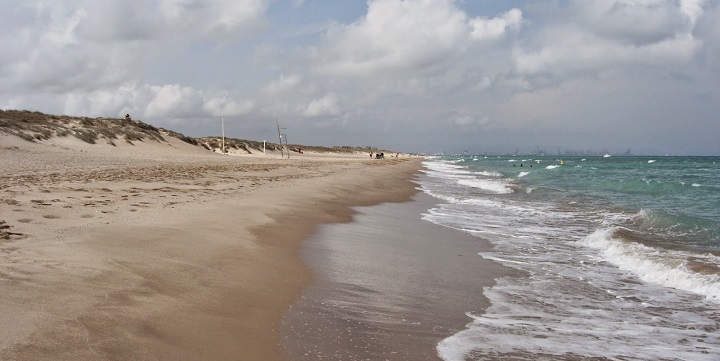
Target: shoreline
[[165, 252], [388, 286]]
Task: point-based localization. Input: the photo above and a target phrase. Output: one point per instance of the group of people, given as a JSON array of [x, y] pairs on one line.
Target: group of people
[[382, 155]]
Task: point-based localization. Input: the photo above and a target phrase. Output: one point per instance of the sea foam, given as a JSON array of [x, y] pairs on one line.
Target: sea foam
[[663, 267], [493, 186], [600, 282]]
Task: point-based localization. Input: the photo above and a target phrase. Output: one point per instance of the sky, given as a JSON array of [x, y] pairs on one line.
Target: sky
[[423, 76]]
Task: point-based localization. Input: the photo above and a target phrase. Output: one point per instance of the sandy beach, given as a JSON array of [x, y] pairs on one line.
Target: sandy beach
[[164, 250]]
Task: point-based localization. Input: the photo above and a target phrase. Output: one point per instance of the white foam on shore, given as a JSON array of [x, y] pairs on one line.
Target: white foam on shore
[[662, 267], [488, 174], [575, 300], [440, 196], [580, 305], [493, 186], [447, 169]]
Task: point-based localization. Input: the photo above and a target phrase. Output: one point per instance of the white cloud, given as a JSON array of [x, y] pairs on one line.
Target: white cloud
[[629, 21], [282, 84], [693, 9], [328, 105], [104, 101], [397, 35], [588, 54], [469, 123], [494, 28], [708, 31], [212, 16], [224, 106], [176, 10], [173, 100], [61, 32], [603, 35], [237, 15], [61, 46]]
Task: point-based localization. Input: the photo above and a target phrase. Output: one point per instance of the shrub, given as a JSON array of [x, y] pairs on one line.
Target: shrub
[[28, 137], [86, 135]]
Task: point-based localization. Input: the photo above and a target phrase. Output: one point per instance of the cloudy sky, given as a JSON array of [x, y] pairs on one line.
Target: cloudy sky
[[410, 75]]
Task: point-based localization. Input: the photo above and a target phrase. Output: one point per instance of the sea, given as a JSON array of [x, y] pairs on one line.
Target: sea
[[619, 255]]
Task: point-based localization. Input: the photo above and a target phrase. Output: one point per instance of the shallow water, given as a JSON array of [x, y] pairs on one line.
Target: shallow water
[[620, 252]]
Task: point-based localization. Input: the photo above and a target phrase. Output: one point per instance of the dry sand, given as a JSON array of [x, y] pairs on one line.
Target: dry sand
[[160, 251]]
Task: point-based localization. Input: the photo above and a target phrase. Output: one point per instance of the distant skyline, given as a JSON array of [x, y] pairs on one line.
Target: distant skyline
[[419, 76]]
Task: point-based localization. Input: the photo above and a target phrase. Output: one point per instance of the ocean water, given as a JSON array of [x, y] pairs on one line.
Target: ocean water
[[621, 255]]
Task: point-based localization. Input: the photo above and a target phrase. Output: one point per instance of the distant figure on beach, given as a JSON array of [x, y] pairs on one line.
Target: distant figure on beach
[[370, 154], [127, 117]]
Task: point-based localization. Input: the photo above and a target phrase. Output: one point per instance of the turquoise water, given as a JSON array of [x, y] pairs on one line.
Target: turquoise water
[[679, 195], [621, 253]]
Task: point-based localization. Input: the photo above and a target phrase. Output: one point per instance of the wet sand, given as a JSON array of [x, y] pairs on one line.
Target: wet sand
[[388, 286]]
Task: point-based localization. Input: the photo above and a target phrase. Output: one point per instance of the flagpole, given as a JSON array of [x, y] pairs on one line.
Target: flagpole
[[222, 120]]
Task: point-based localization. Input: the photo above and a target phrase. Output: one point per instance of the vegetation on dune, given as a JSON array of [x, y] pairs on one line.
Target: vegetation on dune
[[36, 126], [251, 146]]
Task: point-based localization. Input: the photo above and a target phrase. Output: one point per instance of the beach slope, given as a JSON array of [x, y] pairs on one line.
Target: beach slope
[[162, 250]]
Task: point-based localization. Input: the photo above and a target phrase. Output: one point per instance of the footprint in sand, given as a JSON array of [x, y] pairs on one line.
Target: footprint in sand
[[10, 202], [51, 216], [5, 232]]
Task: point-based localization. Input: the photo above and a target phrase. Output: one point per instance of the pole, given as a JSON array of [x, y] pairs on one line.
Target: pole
[[279, 139], [222, 120]]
